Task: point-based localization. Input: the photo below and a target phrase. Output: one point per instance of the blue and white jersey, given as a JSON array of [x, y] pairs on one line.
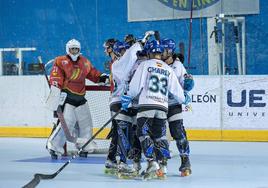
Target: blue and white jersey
[[122, 69], [121, 72], [179, 71], [152, 81]]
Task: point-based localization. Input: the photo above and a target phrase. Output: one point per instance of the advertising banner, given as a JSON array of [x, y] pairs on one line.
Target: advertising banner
[[204, 110], [140, 10], [245, 101]]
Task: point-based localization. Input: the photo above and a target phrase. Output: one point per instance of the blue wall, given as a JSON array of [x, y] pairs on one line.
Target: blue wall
[[49, 24]]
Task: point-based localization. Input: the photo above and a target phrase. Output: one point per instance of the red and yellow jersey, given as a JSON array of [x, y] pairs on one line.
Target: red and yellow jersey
[[70, 75]]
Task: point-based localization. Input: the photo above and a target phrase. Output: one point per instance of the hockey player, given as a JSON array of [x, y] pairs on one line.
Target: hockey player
[[134, 55], [121, 73], [151, 83], [175, 118], [111, 163], [67, 79], [121, 125], [135, 153]]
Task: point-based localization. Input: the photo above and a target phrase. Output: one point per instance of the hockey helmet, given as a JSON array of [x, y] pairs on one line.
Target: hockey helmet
[[73, 49]]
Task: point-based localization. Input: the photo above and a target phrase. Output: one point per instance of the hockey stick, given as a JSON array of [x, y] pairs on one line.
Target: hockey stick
[[38, 177], [43, 69], [64, 126]]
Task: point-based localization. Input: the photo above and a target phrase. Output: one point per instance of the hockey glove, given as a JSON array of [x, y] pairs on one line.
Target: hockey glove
[[104, 79], [188, 82], [126, 102], [187, 98]]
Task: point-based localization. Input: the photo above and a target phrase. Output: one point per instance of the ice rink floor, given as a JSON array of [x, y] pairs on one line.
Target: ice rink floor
[[214, 165]]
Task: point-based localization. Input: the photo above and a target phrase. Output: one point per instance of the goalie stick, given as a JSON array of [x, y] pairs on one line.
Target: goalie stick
[[64, 126], [43, 69], [38, 177]]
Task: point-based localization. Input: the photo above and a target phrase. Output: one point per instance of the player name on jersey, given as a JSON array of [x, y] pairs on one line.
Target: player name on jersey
[[158, 70]]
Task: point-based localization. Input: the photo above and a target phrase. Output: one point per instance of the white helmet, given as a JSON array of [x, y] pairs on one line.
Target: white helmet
[[73, 44]]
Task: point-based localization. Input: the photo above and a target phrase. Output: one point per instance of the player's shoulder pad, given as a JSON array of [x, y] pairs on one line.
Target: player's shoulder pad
[[60, 59]]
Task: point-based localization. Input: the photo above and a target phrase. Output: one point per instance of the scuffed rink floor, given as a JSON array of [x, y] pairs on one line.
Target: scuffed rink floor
[[214, 164]]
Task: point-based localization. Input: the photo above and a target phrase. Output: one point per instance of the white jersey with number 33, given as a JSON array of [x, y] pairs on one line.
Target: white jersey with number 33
[[152, 81]]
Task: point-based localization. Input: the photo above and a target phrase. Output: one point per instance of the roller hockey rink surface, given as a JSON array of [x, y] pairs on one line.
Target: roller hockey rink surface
[[214, 165]]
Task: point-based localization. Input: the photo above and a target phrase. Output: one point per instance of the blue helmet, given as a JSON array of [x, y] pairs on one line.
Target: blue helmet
[[118, 46], [169, 44], [155, 47], [141, 53]]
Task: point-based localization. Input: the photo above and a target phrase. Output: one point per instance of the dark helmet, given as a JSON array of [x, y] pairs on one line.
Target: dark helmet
[[109, 43], [130, 39]]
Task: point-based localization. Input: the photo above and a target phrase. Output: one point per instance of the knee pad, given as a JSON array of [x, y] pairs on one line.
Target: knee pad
[[183, 146], [162, 148], [142, 128], [147, 146], [159, 128], [177, 130], [123, 132]]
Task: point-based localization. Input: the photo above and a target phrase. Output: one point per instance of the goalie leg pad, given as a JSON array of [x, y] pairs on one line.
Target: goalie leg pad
[[56, 141], [69, 117], [83, 116], [84, 119]]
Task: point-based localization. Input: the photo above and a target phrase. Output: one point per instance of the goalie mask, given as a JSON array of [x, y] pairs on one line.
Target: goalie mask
[[73, 49]]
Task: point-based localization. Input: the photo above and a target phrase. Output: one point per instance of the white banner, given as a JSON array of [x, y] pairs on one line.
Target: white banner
[[228, 102], [141, 10], [205, 112], [245, 102]]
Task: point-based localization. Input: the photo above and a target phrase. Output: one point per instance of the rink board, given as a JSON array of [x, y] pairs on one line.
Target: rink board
[[222, 108]]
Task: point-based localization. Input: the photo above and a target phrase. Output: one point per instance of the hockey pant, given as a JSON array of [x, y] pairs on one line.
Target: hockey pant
[[135, 152], [177, 130], [151, 131], [121, 134], [74, 116]]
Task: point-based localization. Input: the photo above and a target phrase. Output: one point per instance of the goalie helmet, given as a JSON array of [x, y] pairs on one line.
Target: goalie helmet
[[73, 49]]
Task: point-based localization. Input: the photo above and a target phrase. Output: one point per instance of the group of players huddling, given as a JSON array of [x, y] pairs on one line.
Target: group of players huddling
[[149, 84]]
